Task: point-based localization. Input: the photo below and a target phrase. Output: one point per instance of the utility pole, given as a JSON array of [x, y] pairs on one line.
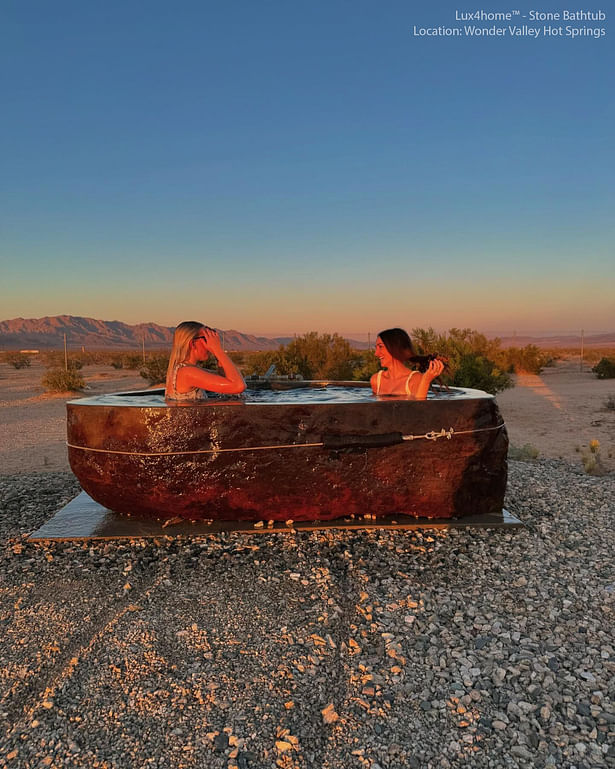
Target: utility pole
[[582, 344], [65, 354], [143, 346]]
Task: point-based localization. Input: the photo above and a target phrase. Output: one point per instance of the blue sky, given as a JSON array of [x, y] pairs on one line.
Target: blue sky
[[280, 167]]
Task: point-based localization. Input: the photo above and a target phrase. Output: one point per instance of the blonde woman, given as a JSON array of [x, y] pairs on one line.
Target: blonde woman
[[193, 342]]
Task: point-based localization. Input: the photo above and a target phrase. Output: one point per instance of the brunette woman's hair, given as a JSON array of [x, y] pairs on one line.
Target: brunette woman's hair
[[398, 343], [184, 334]]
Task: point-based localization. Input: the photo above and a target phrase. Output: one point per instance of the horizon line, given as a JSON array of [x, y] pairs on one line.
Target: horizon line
[[358, 335]]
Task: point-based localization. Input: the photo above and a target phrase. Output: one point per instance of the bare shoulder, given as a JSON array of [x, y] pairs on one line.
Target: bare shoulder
[[186, 371], [414, 380]]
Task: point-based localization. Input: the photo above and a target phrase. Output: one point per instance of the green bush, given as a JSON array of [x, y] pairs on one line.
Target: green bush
[[134, 361], [312, 356], [605, 369], [60, 380], [17, 360], [318, 356], [257, 363], [155, 369], [592, 460], [525, 453], [367, 364], [481, 373], [473, 360], [527, 360]]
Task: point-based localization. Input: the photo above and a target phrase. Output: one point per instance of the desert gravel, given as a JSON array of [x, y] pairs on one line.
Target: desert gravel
[[477, 648]]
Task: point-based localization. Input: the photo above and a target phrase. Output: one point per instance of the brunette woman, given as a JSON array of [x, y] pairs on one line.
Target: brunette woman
[[394, 350]]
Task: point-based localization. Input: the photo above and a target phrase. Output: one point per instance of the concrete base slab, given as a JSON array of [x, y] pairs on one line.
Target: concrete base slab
[[83, 518]]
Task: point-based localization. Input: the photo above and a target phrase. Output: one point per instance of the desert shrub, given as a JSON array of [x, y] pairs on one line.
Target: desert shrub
[[605, 369], [593, 355], [456, 343], [257, 363], [528, 360], [592, 460], [312, 356], [17, 360], [525, 453], [55, 359], [134, 361], [481, 373], [88, 357], [473, 360], [98, 357], [319, 356], [367, 364], [237, 356], [60, 380], [155, 369]]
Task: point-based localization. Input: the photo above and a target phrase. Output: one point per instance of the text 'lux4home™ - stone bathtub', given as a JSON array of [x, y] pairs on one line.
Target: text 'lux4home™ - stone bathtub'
[[301, 454]]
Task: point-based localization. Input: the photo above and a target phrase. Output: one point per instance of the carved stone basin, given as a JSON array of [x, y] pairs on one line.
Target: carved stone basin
[[293, 457]]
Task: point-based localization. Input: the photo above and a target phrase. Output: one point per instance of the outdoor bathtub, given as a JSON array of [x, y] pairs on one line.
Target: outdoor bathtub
[[296, 457]]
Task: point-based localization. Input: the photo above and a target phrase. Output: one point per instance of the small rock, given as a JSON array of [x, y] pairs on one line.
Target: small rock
[[329, 716]]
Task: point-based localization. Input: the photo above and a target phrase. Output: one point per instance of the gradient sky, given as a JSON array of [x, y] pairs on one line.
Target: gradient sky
[[280, 166]]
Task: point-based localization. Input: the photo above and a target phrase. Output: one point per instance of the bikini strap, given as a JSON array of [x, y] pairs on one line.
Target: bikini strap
[[174, 378], [410, 375]]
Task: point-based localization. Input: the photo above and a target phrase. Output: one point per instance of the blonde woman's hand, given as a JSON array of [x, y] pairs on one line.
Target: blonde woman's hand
[[212, 340]]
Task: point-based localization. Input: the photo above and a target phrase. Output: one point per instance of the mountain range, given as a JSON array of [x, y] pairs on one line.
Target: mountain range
[[48, 333], [90, 333]]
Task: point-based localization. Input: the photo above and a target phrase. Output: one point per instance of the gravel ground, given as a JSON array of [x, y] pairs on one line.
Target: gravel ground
[[333, 649]]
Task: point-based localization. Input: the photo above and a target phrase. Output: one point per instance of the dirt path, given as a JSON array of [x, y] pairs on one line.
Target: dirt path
[[560, 412], [33, 422]]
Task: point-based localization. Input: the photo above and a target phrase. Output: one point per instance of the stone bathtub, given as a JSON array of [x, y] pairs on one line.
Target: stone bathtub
[[290, 455]]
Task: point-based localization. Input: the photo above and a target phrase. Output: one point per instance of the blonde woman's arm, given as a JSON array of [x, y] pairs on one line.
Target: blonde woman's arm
[[192, 376]]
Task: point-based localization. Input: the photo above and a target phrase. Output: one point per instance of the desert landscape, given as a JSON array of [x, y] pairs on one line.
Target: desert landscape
[[558, 413], [422, 649]]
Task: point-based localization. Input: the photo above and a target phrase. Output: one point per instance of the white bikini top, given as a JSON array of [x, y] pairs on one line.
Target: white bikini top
[[379, 378], [193, 394]]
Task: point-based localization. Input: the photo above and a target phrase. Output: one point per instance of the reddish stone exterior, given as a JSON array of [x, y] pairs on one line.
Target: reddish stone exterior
[[442, 478]]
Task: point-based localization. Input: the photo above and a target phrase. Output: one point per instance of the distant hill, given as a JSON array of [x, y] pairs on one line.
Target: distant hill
[[560, 342], [48, 333]]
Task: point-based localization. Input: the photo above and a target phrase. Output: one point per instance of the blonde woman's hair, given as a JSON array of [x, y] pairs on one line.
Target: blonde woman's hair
[[184, 334]]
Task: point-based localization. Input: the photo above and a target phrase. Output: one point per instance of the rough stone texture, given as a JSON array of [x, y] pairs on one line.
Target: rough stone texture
[[333, 649], [443, 478]]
